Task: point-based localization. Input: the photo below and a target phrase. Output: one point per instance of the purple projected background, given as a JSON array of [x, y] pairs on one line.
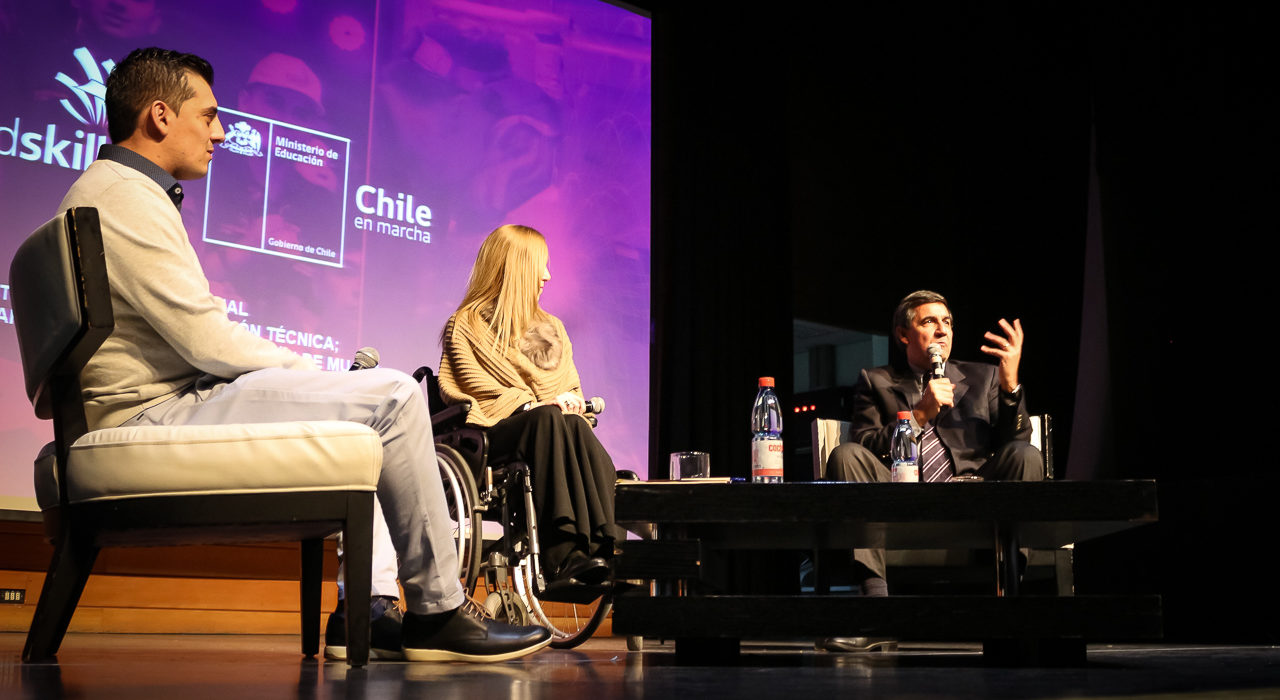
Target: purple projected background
[[371, 146]]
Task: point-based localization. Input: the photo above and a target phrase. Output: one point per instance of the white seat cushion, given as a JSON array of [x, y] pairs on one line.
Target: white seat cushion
[[127, 462], [827, 433]]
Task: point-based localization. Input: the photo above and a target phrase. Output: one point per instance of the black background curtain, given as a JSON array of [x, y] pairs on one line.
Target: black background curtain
[[819, 163]]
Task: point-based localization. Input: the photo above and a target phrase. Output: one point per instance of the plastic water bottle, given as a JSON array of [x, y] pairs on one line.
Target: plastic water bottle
[[766, 435], [904, 451]]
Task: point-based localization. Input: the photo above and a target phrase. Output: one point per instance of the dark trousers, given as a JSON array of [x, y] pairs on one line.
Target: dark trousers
[[1015, 461]]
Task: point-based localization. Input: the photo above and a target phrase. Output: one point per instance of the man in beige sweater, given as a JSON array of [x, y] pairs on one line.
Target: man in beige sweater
[[175, 358]]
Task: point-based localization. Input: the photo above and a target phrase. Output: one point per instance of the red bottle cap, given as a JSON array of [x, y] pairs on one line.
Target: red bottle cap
[[766, 381], [904, 415]]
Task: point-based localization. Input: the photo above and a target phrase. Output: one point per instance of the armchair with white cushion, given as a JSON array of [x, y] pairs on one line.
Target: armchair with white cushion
[[162, 485]]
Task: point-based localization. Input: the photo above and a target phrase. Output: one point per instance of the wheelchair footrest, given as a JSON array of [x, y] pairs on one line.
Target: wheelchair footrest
[[572, 591]]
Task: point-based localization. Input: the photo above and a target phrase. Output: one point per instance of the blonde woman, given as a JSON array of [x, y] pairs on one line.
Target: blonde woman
[[512, 361]]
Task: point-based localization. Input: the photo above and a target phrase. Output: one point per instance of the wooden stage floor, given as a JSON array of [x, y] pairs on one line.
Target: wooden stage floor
[[244, 667]]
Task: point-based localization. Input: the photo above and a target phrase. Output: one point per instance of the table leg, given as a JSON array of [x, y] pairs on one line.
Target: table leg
[[1006, 543]]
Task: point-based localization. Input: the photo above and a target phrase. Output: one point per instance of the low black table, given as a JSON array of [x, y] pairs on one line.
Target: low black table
[[697, 523]]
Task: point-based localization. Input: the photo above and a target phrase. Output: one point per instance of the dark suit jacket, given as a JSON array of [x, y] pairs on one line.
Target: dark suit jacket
[[981, 421]]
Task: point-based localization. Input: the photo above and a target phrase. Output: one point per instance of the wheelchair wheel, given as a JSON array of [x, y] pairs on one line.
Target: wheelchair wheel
[[571, 624], [463, 499]]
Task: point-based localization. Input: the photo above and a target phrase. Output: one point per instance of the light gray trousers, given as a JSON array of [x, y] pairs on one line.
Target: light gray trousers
[[410, 490]]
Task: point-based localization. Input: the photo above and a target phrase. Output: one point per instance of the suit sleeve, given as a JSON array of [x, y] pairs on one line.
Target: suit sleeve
[[1012, 422], [870, 426]]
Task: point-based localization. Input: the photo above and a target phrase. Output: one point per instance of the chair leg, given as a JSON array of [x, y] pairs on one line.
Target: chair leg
[[310, 584], [357, 542], [69, 569]]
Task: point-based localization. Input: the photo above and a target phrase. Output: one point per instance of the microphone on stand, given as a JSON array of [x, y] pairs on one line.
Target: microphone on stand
[[366, 358]]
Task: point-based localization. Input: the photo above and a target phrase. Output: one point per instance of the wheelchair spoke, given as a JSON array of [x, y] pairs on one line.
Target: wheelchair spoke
[[462, 499]]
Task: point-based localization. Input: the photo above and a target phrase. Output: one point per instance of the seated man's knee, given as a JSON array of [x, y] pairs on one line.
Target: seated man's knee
[[850, 461], [1018, 461], [1032, 461], [385, 380]]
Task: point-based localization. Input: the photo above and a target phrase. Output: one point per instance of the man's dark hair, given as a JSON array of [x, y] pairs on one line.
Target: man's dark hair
[[906, 311], [147, 75]]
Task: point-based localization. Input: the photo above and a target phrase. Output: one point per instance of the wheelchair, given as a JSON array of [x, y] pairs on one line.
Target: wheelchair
[[508, 566]]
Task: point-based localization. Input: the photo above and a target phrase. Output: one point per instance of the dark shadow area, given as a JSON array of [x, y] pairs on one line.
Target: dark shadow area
[[895, 148]]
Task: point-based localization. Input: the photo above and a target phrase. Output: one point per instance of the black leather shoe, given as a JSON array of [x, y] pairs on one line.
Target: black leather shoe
[[468, 634], [384, 631], [590, 571]]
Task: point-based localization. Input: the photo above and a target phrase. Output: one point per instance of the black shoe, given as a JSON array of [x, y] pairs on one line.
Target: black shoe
[[591, 571], [384, 631], [468, 634], [856, 644]]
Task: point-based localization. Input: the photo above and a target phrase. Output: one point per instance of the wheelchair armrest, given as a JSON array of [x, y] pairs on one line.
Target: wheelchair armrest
[[454, 416]]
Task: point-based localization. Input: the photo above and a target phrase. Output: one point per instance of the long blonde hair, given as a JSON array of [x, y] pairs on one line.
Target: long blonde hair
[[504, 282]]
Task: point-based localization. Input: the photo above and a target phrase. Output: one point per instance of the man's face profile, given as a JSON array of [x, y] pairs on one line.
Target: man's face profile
[[930, 323], [193, 132]]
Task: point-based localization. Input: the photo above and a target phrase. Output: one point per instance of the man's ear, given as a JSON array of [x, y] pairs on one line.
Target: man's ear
[[902, 335], [158, 118]]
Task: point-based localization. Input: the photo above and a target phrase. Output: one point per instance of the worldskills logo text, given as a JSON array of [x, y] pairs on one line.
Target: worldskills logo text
[[92, 93], [50, 146]]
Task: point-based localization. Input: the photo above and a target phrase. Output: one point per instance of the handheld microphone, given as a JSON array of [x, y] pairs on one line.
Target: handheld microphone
[[595, 404], [935, 358], [366, 358]]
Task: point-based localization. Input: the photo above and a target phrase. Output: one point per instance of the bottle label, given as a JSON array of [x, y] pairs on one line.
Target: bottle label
[[766, 457], [905, 472]]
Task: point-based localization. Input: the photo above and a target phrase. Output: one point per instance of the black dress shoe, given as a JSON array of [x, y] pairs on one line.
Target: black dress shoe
[[468, 634], [384, 630], [590, 571]]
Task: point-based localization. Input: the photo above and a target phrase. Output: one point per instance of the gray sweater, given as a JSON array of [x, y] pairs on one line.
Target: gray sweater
[[169, 328]]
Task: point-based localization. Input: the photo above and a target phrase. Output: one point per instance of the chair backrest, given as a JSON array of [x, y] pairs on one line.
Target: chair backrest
[[62, 314], [431, 388], [829, 432], [61, 301], [1042, 438], [449, 423], [826, 433]]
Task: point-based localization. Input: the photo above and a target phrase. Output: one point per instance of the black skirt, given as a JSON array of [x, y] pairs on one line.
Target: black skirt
[[573, 480]]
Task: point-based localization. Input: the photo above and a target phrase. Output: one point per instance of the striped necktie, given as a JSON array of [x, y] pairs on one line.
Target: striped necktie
[[935, 464]]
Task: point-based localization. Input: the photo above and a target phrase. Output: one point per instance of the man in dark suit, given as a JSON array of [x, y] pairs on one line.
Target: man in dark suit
[[971, 422]]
